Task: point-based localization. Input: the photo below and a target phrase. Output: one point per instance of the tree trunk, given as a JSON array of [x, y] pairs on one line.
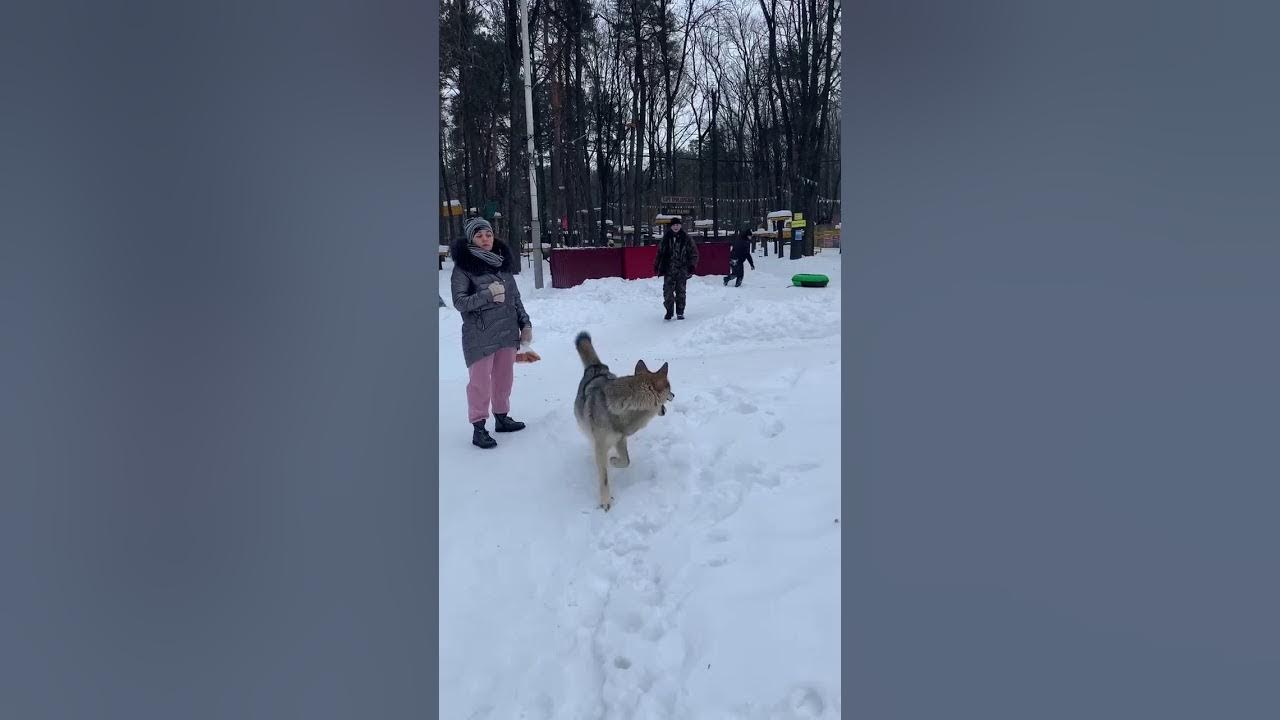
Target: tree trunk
[[641, 94], [513, 211], [715, 164], [446, 221]]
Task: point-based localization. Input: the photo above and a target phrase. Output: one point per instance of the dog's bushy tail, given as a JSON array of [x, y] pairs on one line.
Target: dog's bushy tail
[[586, 350]]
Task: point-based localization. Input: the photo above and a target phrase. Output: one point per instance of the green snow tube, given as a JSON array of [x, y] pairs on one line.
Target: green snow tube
[[809, 280]]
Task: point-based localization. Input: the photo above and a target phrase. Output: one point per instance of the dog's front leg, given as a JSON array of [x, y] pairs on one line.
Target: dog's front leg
[[602, 466]]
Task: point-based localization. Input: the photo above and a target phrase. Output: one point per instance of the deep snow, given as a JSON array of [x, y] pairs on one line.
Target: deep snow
[[712, 588]]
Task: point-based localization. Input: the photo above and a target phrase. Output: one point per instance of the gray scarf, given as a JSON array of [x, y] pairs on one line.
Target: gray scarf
[[493, 259]]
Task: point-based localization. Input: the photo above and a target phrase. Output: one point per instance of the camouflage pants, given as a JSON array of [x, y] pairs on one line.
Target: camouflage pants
[[673, 292]]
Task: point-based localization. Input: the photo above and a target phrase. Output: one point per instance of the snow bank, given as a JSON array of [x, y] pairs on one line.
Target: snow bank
[[712, 589]]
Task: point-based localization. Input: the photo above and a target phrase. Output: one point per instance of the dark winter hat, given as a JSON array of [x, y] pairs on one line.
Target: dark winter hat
[[676, 221], [475, 225]]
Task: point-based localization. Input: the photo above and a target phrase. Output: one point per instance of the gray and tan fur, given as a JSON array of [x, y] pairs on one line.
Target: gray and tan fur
[[610, 409]]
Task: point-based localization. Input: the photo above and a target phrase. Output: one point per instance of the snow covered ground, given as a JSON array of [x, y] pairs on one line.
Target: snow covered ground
[[712, 588]]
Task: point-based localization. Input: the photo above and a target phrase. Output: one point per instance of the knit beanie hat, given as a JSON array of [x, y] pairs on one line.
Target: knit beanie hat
[[475, 225]]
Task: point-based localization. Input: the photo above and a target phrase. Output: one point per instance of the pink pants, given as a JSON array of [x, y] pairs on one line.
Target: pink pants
[[491, 379]]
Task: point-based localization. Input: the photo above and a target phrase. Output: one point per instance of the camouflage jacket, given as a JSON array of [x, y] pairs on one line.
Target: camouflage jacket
[[677, 255]]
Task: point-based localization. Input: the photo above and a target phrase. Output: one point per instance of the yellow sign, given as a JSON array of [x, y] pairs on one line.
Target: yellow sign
[[798, 223], [799, 217]]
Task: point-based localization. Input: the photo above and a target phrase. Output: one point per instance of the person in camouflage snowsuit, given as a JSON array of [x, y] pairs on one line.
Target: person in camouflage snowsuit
[[677, 257]]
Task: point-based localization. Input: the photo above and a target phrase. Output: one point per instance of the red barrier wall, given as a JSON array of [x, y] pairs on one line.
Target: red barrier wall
[[637, 262], [573, 266], [713, 259]]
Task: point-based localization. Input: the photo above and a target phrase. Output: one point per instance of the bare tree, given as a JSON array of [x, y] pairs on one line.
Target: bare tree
[[736, 105]]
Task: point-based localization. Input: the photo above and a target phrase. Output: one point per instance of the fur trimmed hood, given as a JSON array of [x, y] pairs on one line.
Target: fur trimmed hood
[[463, 258]]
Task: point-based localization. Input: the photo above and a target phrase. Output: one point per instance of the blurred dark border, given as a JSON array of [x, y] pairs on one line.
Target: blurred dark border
[[218, 407], [1061, 387]]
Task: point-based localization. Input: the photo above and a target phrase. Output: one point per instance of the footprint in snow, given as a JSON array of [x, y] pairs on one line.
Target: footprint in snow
[[804, 702], [643, 526], [773, 428], [802, 467], [632, 622]]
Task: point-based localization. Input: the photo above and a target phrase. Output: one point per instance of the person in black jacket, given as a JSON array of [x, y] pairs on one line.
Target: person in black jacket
[[741, 251], [677, 258]]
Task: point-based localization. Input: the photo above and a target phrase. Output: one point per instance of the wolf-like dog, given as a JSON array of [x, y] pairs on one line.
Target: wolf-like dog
[[609, 408]]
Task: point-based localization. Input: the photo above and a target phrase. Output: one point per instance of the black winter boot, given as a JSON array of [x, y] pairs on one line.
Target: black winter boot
[[481, 438], [503, 423]]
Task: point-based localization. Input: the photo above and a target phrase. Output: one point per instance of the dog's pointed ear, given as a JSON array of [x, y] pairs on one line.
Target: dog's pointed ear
[[641, 368], [662, 370]]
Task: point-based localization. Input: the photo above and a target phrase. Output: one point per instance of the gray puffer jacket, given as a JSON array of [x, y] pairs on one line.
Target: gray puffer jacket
[[487, 326]]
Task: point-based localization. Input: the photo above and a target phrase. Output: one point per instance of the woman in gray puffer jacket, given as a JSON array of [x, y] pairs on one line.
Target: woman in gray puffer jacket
[[494, 324]]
